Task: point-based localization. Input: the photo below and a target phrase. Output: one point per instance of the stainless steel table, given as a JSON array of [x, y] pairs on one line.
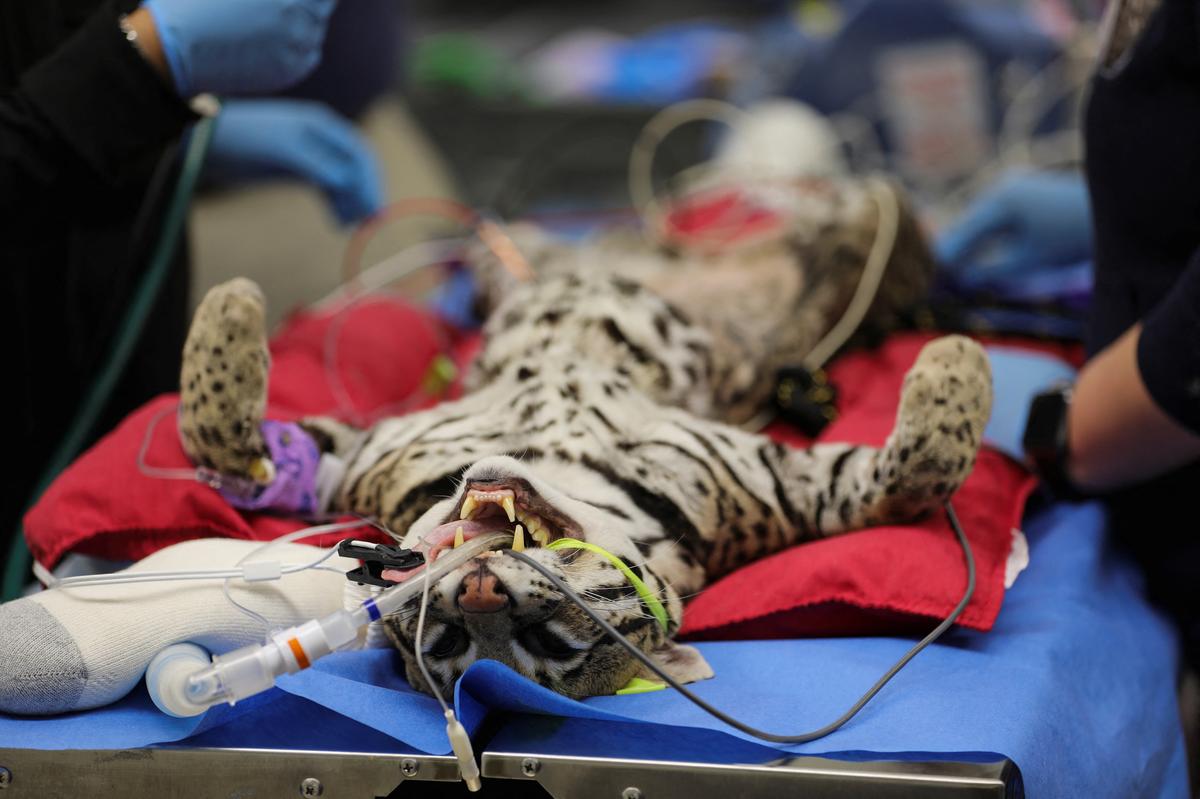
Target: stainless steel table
[[520, 758]]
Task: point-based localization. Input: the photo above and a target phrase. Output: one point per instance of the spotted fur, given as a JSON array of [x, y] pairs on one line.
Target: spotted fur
[[604, 388]]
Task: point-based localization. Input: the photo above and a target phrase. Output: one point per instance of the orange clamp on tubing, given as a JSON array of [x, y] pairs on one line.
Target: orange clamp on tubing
[[298, 653]]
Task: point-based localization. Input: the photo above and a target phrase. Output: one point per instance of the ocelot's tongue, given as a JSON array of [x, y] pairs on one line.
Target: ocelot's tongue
[[442, 537]]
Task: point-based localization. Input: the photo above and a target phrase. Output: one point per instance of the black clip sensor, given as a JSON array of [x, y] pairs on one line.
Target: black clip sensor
[[376, 558], [805, 399]]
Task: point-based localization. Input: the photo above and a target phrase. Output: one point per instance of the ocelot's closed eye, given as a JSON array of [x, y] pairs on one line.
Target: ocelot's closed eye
[[451, 643], [542, 642]]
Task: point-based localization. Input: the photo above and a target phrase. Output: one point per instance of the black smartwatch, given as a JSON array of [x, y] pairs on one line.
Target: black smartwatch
[[1046, 442]]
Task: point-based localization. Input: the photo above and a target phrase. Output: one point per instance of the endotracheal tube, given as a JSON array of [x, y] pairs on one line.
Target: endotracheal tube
[[252, 669]]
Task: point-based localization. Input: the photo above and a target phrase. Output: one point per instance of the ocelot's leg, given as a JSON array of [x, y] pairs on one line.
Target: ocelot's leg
[[944, 406], [739, 497], [223, 384]]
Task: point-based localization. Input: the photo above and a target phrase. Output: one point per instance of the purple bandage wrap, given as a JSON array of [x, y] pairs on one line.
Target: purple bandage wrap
[[294, 489]]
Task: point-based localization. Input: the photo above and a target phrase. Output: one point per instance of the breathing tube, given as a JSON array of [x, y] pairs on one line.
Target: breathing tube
[[183, 681], [184, 684], [252, 669]]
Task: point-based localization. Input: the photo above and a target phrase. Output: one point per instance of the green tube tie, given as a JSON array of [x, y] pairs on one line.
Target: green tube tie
[[643, 591]]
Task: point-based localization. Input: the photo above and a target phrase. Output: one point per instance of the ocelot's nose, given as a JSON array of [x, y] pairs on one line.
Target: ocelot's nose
[[482, 592]]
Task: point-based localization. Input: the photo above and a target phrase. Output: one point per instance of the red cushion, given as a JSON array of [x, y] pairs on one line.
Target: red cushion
[[871, 581], [105, 505]]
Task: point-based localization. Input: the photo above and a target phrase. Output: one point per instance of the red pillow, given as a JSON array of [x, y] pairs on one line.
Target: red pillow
[[885, 579], [105, 505]]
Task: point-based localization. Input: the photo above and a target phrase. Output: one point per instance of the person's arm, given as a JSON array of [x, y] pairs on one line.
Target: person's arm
[[1135, 409], [89, 110], [1118, 434]]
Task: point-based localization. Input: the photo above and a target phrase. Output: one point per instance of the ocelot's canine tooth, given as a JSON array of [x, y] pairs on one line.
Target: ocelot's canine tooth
[[458, 538], [518, 543], [542, 537], [510, 508], [469, 505]]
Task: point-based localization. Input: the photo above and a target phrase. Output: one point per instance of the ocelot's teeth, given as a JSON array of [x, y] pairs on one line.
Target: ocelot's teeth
[[518, 543], [510, 508], [541, 536], [469, 505], [459, 539]]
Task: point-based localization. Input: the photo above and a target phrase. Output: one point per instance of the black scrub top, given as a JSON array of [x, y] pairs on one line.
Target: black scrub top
[[83, 122], [1142, 132]]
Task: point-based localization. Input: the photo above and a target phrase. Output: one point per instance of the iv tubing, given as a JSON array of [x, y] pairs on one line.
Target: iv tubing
[[252, 669]]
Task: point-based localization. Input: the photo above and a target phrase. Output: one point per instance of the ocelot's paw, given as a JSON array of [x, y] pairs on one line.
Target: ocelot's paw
[[223, 384], [944, 407]]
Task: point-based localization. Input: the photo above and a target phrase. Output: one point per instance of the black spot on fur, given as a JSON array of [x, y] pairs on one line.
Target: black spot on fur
[[661, 325], [421, 497], [604, 420], [524, 373], [678, 315], [625, 287], [656, 506], [844, 512], [839, 463], [614, 332], [531, 411], [795, 519]]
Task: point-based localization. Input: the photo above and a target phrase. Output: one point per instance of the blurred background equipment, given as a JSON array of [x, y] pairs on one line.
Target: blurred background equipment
[[528, 107]]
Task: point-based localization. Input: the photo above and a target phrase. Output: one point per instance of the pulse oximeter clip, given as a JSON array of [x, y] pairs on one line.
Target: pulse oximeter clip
[[376, 558]]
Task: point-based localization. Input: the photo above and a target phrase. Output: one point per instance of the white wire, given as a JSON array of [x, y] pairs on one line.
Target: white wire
[[202, 574], [420, 644], [157, 471], [396, 267], [868, 285], [295, 535], [641, 159]]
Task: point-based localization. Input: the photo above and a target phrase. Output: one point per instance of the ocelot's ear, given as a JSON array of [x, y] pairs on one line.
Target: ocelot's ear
[[684, 663]]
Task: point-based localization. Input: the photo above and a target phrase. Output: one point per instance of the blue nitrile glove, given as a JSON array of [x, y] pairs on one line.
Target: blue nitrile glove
[[297, 138], [1024, 222], [240, 46], [1017, 377]]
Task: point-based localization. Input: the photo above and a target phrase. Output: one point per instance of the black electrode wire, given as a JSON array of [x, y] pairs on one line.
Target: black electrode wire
[[746, 728]]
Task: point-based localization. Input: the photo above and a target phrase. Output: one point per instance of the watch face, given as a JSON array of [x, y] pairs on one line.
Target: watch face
[[1045, 429]]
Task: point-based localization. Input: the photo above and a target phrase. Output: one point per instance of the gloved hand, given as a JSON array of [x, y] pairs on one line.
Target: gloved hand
[[1024, 222], [240, 46], [297, 138]]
